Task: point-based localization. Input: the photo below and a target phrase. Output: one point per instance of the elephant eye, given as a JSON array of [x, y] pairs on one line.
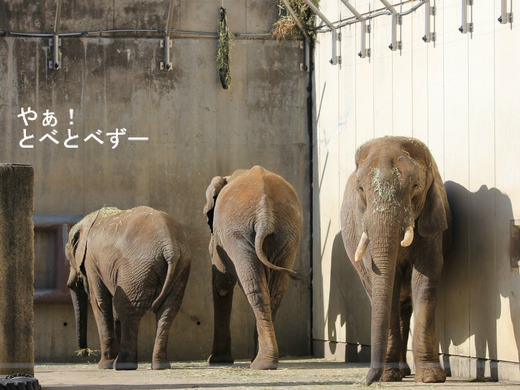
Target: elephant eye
[[360, 188]]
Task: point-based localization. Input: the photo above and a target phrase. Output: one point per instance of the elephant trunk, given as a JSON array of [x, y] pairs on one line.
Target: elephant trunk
[[80, 304], [384, 245]]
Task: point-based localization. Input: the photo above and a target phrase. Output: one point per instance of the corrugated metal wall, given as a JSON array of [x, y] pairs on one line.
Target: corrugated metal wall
[[460, 95]]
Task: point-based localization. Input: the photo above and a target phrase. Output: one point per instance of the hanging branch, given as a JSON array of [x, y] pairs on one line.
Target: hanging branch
[[224, 43]]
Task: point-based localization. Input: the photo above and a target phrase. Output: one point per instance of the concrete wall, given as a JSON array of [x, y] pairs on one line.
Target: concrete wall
[[196, 130], [460, 96]]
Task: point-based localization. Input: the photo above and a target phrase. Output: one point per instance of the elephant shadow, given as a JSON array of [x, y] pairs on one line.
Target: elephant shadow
[[477, 281], [349, 310]]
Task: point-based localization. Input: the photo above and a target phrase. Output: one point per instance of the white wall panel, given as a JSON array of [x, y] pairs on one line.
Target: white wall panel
[[460, 95]]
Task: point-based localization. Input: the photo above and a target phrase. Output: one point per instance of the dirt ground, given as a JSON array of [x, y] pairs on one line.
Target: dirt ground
[[300, 373]]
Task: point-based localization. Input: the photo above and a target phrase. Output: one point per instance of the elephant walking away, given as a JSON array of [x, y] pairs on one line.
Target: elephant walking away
[[255, 217], [395, 223], [126, 262]]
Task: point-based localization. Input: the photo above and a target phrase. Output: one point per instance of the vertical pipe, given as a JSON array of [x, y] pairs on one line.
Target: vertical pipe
[[166, 41], [56, 39], [334, 59], [362, 20], [363, 52], [57, 18], [303, 31]]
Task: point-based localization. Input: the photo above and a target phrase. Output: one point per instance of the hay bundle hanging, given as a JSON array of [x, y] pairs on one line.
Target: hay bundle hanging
[[286, 28], [224, 44]]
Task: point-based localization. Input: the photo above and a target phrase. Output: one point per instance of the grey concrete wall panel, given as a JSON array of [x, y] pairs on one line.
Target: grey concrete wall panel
[[195, 130]]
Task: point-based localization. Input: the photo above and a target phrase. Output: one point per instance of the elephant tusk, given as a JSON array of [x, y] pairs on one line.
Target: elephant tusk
[[362, 247], [408, 237]]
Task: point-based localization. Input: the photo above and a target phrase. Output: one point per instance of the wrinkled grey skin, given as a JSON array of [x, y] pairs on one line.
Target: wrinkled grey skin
[[396, 186], [256, 220], [126, 262]]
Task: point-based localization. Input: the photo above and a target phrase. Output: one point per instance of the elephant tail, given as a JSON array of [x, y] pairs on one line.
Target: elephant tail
[[262, 232], [170, 258]]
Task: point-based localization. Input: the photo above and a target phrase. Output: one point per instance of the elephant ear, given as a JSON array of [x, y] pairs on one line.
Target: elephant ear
[[214, 188], [433, 217], [78, 240]]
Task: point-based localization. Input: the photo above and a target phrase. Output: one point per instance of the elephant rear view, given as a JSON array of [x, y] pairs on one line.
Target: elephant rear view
[[256, 218], [126, 262]]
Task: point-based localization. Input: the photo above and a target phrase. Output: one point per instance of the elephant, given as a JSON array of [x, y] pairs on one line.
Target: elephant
[[396, 227], [126, 262], [255, 218]]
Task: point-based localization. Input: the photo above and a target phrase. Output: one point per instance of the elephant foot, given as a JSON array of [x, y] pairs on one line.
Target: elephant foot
[[405, 369], [161, 365], [106, 364], [264, 364], [373, 375], [429, 373], [391, 375], [119, 365], [220, 359]]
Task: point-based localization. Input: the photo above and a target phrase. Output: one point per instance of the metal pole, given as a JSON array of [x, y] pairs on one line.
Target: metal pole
[[167, 64], [56, 63], [334, 59], [306, 59], [363, 53], [394, 45], [505, 17]]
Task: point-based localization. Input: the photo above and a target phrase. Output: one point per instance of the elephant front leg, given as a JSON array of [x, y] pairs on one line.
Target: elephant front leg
[[426, 357], [392, 371], [103, 315], [223, 286]]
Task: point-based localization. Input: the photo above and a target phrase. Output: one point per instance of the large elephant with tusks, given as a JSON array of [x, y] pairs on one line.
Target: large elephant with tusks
[[395, 223]]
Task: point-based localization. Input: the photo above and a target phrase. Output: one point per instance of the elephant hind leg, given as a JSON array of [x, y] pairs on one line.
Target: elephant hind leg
[[164, 318], [127, 357], [129, 312], [255, 288], [278, 282]]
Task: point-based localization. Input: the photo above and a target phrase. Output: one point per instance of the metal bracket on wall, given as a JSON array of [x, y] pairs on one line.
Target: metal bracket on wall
[[305, 66], [364, 52], [506, 17], [55, 41], [167, 63], [429, 12], [466, 27], [335, 58], [166, 43], [396, 20]]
